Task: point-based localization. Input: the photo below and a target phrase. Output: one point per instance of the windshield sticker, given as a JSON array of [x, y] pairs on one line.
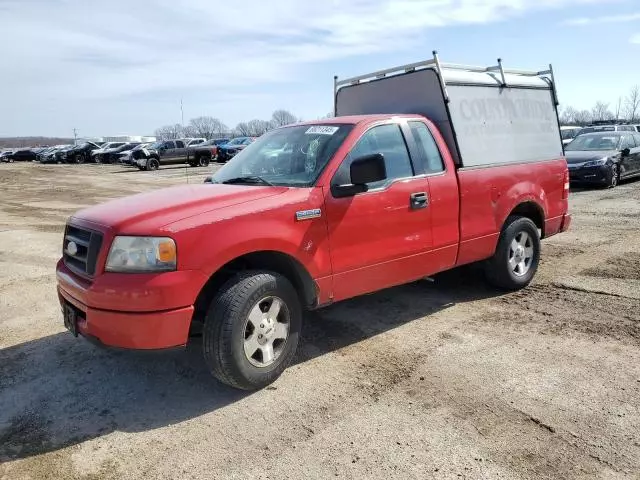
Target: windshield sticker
[[321, 130]]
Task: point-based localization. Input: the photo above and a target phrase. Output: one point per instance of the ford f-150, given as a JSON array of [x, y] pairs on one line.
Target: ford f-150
[[424, 168]]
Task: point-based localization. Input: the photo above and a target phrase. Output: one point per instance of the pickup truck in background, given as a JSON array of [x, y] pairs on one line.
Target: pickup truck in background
[[166, 152], [426, 167]]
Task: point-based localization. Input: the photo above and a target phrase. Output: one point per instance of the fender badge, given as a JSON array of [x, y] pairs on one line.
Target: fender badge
[[308, 214]]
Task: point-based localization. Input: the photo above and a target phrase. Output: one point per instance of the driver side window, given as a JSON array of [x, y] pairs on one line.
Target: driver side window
[[386, 140], [627, 142]]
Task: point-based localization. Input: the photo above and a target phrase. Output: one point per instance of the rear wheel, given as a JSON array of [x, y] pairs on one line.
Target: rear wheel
[[203, 161], [517, 255], [251, 330], [153, 164]]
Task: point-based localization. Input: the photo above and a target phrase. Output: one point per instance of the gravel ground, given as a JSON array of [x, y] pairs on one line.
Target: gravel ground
[[443, 379]]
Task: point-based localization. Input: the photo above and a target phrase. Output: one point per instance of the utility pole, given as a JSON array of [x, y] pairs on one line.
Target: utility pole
[[75, 136]]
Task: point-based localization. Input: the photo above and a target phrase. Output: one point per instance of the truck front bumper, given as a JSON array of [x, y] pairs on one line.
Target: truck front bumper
[[106, 311]]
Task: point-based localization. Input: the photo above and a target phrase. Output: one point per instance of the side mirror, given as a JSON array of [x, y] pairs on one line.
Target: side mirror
[[208, 179], [625, 152], [363, 170]]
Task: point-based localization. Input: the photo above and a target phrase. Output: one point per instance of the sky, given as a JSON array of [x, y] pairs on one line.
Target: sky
[[123, 67]]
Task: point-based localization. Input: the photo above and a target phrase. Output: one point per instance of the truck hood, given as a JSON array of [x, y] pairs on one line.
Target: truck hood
[[581, 156], [146, 212]]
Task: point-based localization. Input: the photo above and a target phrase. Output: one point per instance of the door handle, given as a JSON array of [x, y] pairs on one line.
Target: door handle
[[418, 200]]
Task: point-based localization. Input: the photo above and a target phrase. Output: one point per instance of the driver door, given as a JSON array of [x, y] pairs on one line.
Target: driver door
[[381, 237]]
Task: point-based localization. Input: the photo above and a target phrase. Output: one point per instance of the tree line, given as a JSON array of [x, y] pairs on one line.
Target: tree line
[[211, 127], [627, 108]]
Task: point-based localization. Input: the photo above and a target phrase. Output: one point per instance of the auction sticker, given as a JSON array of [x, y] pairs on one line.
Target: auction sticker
[[322, 130]]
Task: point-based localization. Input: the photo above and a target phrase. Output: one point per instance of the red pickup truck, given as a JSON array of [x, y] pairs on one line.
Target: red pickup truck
[[458, 165]]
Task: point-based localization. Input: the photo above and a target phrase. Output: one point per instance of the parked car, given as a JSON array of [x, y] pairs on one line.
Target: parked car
[[167, 152], [318, 212], [113, 155], [81, 153], [6, 156], [637, 127], [569, 132], [201, 155], [606, 128], [604, 158], [129, 157], [19, 155], [96, 155], [229, 150]]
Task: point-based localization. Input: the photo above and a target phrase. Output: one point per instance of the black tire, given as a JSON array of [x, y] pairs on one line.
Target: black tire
[[498, 269], [226, 324], [613, 177], [153, 164], [203, 161]]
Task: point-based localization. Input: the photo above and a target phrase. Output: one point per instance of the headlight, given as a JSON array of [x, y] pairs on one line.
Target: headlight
[[596, 163], [142, 254]]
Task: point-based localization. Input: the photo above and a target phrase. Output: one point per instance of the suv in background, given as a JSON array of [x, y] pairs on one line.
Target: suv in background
[[229, 150]]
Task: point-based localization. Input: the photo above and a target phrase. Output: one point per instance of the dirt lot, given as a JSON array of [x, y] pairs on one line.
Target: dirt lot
[[431, 380]]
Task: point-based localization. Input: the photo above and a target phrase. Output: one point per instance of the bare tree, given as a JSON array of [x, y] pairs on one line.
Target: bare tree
[[280, 118], [568, 116], [582, 117], [254, 128], [632, 104], [208, 127], [600, 111], [618, 108], [242, 130], [170, 132]]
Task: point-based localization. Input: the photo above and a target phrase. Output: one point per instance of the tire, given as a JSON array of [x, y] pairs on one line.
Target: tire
[[203, 161], [228, 330], [153, 164], [613, 176], [512, 268]]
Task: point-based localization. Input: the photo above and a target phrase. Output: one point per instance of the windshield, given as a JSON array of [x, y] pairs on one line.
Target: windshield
[[598, 141], [237, 141], [290, 156]]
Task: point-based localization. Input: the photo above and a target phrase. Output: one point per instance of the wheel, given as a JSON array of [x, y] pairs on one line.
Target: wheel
[[81, 158], [153, 164], [251, 330], [614, 176], [517, 255], [203, 161]]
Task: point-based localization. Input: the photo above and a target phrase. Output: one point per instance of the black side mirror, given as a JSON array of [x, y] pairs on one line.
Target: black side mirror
[[625, 152], [363, 170], [208, 179]]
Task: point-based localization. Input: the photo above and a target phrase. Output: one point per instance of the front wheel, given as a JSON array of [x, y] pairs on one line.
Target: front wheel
[[153, 164], [517, 255], [613, 176], [251, 330]]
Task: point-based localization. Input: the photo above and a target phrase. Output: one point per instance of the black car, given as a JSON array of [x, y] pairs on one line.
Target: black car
[[80, 153], [22, 155], [603, 158]]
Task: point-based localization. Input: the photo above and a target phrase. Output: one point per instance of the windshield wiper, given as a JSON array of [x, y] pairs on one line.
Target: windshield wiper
[[249, 179]]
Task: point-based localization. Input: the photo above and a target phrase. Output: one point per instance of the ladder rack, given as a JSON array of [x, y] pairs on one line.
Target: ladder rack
[[438, 66]]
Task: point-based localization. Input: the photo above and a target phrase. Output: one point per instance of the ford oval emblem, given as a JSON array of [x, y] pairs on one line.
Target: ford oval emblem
[[72, 248]]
